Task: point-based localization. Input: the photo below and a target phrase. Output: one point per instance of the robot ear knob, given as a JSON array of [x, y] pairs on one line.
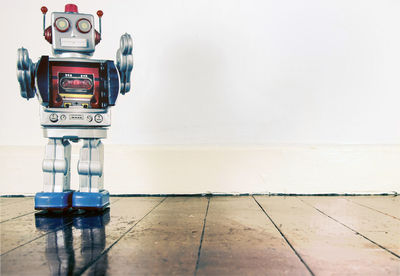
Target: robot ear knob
[[47, 35], [97, 37]]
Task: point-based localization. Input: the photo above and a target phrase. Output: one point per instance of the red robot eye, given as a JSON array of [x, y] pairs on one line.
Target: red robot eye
[[61, 24], [83, 25]]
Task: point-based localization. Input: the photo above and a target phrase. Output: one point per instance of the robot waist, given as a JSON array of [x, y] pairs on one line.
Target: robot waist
[[66, 117], [75, 133]]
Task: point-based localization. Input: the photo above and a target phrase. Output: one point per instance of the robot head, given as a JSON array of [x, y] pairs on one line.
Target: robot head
[[72, 32]]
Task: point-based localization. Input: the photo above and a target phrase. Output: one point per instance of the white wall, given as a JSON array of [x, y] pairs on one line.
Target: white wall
[[232, 73]]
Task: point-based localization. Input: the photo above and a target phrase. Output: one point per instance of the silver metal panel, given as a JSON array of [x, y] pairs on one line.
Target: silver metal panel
[[74, 133], [73, 40], [75, 116]]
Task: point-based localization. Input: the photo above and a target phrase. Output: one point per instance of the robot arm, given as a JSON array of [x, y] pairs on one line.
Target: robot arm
[[26, 74], [125, 62]]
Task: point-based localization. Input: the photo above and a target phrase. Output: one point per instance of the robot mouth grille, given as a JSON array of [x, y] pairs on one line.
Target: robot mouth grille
[[74, 42]]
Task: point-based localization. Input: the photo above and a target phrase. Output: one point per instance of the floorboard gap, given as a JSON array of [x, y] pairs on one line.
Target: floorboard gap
[[202, 236], [19, 216], [284, 237], [355, 231], [373, 209], [114, 243], [61, 227]]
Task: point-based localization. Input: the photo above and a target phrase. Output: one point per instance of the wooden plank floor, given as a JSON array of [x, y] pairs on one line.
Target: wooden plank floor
[[246, 235]]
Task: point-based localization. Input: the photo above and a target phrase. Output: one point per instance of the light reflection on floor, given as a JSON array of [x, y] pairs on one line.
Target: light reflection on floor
[[60, 252]]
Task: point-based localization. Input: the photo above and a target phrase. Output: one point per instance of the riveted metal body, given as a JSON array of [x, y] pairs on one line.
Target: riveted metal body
[[76, 94]]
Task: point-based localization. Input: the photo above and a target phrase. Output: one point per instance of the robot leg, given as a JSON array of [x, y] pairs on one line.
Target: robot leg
[[91, 195], [56, 193]]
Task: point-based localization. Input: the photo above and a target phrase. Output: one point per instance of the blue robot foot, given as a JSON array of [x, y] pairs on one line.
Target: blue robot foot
[[61, 201], [91, 201]]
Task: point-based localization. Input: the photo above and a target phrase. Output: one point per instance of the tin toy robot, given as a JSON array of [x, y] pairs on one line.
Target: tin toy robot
[[75, 93]]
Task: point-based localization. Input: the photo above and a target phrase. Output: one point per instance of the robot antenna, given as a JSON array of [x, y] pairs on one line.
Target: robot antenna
[[44, 11], [99, 14]]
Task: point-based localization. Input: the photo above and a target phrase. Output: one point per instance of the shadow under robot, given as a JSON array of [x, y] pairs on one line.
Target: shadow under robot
[[75, 93]]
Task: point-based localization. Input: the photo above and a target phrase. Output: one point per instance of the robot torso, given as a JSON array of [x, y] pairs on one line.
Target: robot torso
[[76, 92]]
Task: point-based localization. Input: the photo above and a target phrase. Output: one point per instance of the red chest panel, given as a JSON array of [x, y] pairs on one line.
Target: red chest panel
[[63, 83], [73, 85]]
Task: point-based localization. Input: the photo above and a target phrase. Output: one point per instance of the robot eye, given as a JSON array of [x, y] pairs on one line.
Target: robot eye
[[83, 25], [61, 24]]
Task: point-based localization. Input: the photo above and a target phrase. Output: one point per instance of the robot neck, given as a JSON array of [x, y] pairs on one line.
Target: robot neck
[[72, 55]]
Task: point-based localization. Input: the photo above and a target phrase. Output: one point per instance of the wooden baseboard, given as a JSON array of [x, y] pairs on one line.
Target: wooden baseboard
[[276, 169]]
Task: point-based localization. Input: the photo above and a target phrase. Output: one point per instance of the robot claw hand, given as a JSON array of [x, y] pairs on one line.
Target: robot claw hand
[[125, 62], [26, 74]]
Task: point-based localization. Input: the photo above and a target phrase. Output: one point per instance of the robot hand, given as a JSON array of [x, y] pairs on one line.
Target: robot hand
[[125, 62], [26, 74]]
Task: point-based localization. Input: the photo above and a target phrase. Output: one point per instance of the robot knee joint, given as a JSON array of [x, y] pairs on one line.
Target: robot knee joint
[[48, 165], [55, 166], [90, 168]]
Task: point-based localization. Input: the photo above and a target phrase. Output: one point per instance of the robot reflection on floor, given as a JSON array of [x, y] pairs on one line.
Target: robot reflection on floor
[[75, 93]]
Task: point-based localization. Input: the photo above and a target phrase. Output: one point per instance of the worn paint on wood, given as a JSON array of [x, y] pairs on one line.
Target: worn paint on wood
[[152, 236], [325, 245], [19, 208], [123, 217], [7, 201], [166, 242], [240, 240], [388, 205], [377, 227], [78, 241]]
